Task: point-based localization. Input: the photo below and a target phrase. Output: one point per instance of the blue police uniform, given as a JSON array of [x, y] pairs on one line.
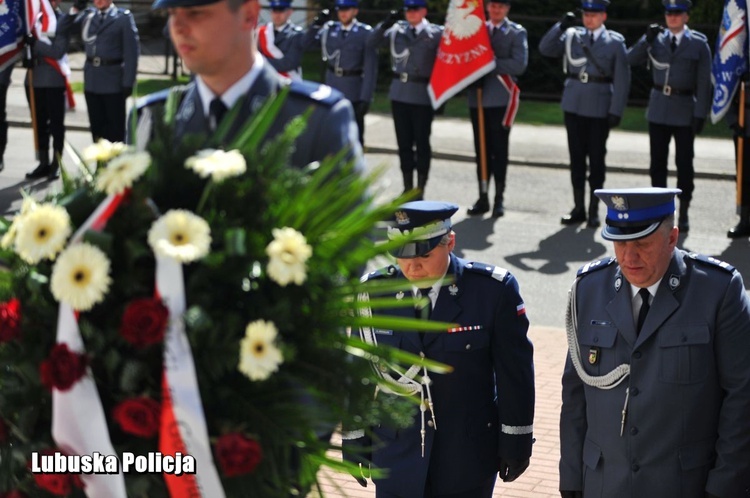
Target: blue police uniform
[[351, 63], [655, 402], [50, 85], [679, 101], [111, 42], [413, 50], [480, 414], [594, 98], [511, 48], [282, 46], [4, 84]]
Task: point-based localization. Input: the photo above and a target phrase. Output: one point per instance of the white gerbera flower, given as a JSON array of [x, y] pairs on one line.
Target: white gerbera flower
[[122, 171], [217, 164], [42, 232], [181, 235], [80, 277], [102, 151], [9, 238], [259, 356], [288, 253]]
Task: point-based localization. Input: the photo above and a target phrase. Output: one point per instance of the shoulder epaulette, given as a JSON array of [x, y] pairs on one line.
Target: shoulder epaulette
[[698, 35], [711, 261], [515, 25], [617, 36], [496, 272], [595, 265], [366, 27], [387, 271], [160, 97], [296, 28], [322, 94], [123, 10]]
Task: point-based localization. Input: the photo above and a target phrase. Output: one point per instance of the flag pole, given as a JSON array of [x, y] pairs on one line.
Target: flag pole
[[32, 107], [740, 144], [482, 147]]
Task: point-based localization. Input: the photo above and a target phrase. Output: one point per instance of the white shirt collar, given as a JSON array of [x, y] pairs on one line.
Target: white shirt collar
[[651, 289], [421, 26], [234, 92], [598, 32], [491, 25], [677, 35]]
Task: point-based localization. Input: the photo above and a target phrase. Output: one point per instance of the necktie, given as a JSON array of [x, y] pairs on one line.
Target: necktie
[[673, 45], [414, 32], [495, 29], [591, 38], [344, 32], [216, 111], [645, 306], [423, 311]]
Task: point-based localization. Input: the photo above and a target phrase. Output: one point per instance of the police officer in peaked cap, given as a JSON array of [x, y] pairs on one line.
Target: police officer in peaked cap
[[351, 62], [656, 386], [680, 61], [479, 418], [594, 98], [281, 41]]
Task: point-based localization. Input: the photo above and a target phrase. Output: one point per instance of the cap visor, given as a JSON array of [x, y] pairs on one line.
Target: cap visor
[[416, 248], [615, 233]]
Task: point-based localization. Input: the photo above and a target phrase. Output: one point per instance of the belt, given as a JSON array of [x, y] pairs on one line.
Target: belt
[[344, 72], [670, 90], [98, 61], [584, 77], [404, 77]]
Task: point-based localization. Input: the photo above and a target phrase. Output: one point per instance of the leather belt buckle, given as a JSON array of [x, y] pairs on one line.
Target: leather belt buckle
[[96, 61], [666, 90], [338, 71], [583, 77], [404, 77]]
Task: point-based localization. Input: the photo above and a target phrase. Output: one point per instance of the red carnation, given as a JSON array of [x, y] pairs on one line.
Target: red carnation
[[138, 416], [62, 368], [238, 454], [10, 320], [144, 322]]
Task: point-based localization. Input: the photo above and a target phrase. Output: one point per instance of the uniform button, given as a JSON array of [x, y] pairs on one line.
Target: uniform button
[[637, 355], [421, 354], [634, 391], [596, 340], [635, 467], [468, 346], [633, 431], [489, 424], [430, 423]]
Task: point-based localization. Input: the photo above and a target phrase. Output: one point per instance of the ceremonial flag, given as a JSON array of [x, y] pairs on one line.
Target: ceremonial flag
[[465, 53], [730, 58], [12, 30]]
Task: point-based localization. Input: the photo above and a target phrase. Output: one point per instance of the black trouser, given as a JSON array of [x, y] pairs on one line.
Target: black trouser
[[496, 145], [107, 115], [659, 137], [587, 138], [483, 491], [3, 121], [745, 199], [359, 117], [413, 123], [49, 107]]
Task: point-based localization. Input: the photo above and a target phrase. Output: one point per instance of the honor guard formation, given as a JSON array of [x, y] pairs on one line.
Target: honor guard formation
[[656, 383]]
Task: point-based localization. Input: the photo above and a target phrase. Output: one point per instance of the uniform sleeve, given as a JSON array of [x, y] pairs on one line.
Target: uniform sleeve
[[311, 40], [56, 49], [130, 52], [337, 131], [292, 57], [703, 95], [638, 53], [621, 81], [370, 72], [513, 358], [552, 43], [731, 475], [379, 35], [516, 64]]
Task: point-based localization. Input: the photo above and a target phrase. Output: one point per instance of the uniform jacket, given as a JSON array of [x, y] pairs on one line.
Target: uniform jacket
[[5, 75], [289, 40], [474, 428], [45, 75], [111, 38], [410, 56], [688, 70], [592, 99], [687, 430], [511, 57], [350, 53]]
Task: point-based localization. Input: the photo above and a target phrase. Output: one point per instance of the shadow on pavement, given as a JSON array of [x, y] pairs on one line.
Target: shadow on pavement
[[473, 233], [557, 252], [10, 194], [736, 255]]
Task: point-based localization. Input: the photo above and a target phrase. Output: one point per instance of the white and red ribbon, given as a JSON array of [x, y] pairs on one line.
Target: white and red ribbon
[[267, 47], [513, 99]]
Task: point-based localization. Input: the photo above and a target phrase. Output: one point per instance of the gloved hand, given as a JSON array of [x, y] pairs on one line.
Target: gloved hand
[[698, 124], [322, 17], [613, 121], [29, 40], [127, 91], [571, 494], [389, 21], [510, 469], [652, 32], [357, 458], [567, 20], [361, 107], [80, 4]]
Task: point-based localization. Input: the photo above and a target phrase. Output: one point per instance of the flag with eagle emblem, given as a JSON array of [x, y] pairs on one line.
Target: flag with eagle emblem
[[730, 58]]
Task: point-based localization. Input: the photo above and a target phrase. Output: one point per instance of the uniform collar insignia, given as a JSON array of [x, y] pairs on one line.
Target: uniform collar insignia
[[618, 283], [674, 282], [186, 110], [453, 289], [400, 295]]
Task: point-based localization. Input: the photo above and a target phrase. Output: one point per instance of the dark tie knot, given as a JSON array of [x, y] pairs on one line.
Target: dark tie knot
[[645, 296], [216, 111], [673, 45]]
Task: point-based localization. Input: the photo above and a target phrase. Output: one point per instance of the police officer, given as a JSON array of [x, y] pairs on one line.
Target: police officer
[[594, 98], [50, 81], [352, 64], [413, 47], [499, 100], [656, 388], [281, 41], [484, 408], [110, 37], [4, 84], [680, 61], [742, 228]]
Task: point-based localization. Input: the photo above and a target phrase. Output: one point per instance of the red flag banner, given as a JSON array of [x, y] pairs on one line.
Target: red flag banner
[[465, 53]]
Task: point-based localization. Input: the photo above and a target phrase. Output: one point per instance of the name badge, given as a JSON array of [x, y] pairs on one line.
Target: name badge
[[383, 332]]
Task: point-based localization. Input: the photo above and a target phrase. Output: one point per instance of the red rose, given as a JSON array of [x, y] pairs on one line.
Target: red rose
[[3, 433], [238, 454], [62, 368], [144, 322], [10, 320], [138, 416], [57, 484]]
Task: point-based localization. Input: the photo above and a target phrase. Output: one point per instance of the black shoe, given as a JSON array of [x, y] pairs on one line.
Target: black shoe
[[742, 229], [593, 221], [577, 215], [498, 211], [54, 173], [2, 165], [480, 207], [41, 171]]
